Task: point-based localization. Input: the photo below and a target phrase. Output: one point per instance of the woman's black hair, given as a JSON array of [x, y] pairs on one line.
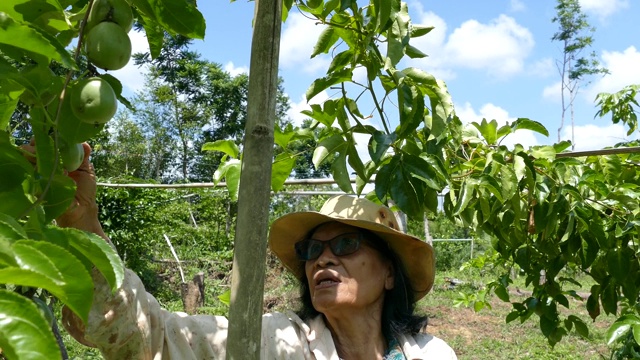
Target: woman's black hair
[[397, 311]]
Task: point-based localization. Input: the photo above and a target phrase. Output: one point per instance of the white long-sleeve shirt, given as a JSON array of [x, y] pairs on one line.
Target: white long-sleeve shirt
[[130, 324]]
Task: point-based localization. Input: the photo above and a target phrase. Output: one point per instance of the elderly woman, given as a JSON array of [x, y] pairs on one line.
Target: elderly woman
[[360, 275]]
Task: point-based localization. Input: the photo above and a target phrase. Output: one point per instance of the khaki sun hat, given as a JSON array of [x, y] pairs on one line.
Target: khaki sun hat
[[417, 256]]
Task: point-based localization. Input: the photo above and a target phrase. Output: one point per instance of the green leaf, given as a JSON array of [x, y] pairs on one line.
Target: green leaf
[[405, 192], [421, 169], [59, 197], [636, 333], [581, 327], [398, 37], [47, 15], [8, 102], [490, 183], [354, 159], [228, 147], [230, 170], [384, 177], [488, 130], [75, 281], [30, 39], [326, 40], [89, 248], [340, 172], [420, 30], [154, 32], [325, 114], [340, 60], [326, 148], [25, 332], [502, 293], [466, 193], [10, 229], [225, 297], [512, 316], [379, 143], [116, 85], [179, 16], [547, 326], [281, 169], [620, 327], [383, 13], [323, 83], [412, 110], [414, 52], [528, 124], [543, 152], [609, 297], [282, 137], [593, 306]]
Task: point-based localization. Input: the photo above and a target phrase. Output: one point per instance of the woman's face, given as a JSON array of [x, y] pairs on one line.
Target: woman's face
[[351, 282]]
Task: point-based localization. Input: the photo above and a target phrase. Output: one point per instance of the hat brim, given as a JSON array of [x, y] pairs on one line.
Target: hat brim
[[417, 256]]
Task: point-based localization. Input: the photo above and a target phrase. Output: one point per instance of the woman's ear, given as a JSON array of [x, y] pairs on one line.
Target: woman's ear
[[389, 281]]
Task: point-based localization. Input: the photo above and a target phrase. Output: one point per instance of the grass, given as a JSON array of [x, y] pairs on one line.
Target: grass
[[473, 335], [486, 335]]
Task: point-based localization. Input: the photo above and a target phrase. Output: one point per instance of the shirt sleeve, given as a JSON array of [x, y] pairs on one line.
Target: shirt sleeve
[[130, 324], [426, 346]]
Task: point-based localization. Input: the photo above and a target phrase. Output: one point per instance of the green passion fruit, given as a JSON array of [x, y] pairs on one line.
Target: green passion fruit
[[70, 128], [93, 101], [116, 11], [108, 46], [72, 156]]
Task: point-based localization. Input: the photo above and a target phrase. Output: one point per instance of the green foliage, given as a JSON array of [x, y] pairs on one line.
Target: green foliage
[[37, 74], [542, 212], [621, 106], [198, 222]]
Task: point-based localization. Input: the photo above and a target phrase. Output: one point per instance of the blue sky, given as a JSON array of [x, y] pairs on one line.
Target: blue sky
[[496, 57]]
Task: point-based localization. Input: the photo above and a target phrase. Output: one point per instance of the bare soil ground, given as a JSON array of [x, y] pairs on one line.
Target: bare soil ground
[[486, 335]]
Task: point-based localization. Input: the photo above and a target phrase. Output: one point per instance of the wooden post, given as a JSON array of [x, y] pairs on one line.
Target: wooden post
[[247, 276]]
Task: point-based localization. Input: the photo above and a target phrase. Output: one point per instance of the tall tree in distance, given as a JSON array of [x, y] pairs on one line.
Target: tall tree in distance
[[575, 35]]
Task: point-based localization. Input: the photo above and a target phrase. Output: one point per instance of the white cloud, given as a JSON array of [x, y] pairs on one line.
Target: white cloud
[[498, 47], [624, 68], [517, 6], [489, 111], [132, 76], [552, 92], [603, 8], [594, 137], [542, 68], [234, 71], [295, 47]]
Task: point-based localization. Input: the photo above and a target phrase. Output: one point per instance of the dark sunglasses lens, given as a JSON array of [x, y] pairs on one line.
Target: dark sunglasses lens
[[308, 249], [345, 245]]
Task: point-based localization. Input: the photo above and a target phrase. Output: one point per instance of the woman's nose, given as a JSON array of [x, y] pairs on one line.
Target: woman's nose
[[327, 257]]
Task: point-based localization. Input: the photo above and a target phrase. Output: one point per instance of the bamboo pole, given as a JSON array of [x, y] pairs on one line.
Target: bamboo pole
[[247, 275]]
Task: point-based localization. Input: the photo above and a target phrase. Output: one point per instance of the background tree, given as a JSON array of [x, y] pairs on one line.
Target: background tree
[[574, 34]]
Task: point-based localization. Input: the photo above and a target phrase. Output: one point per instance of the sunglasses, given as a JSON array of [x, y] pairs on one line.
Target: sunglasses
[[341, 245]]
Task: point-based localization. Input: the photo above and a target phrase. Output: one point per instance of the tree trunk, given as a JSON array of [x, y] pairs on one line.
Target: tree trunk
[[247, 276], [427, 233], [401, 217]]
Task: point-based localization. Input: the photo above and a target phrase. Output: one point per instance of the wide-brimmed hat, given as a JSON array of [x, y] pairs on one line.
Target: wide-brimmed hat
[[417, 256]]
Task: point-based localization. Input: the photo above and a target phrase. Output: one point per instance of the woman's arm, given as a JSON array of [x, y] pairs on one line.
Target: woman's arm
[[129, 323]]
